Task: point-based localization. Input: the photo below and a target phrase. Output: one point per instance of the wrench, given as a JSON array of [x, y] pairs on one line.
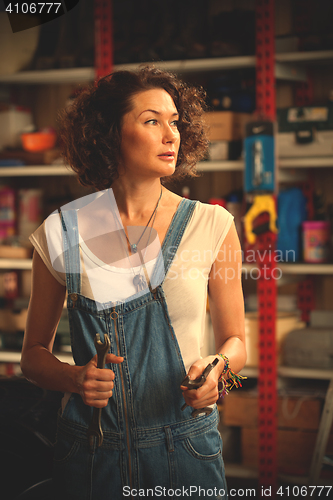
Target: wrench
[[95, 429], [195, 384]]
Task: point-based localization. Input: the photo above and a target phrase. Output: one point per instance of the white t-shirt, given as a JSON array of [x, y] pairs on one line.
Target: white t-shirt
[[185, 283]]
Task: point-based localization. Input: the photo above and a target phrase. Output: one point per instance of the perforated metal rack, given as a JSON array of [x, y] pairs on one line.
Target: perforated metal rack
[[266, 287], [103, 38]]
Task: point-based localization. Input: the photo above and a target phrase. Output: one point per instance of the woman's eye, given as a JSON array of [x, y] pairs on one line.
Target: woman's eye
[[153, 121], [175, 123]]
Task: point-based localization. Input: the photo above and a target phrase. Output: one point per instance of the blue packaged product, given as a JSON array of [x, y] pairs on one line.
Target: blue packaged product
[[291, 214], [259, 157]]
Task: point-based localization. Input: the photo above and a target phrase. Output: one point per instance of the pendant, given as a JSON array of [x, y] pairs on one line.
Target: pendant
[[139, 282], [134, 248]]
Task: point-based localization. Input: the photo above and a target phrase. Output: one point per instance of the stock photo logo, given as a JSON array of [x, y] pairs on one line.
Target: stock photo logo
[[24, 15]]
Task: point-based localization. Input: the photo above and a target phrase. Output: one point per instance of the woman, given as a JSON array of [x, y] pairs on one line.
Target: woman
[[125, 137]]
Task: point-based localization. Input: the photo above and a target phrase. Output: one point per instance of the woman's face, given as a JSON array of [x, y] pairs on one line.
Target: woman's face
[[149, 136]]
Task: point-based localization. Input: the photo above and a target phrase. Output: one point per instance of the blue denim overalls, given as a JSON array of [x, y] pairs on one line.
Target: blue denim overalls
[[150, 447]]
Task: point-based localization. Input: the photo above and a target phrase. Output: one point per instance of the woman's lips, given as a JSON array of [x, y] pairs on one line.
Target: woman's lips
[[167, 156]]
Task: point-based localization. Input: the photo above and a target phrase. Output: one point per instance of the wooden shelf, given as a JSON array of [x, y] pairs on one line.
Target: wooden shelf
[[15, 264], [78, 75], [221, 166], [315, 56], [283, 163], [203, 166], [301, 268], [51, 76], [194, 65], [306, 162], [290, 372], [15, 357], [35, 171], [295, 268]]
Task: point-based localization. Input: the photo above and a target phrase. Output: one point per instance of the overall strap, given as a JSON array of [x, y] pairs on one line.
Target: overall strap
[[173, 237], [70, 237]]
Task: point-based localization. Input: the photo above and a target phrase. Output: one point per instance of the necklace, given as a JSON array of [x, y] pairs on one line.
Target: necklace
[[139, 281], [134, 246]]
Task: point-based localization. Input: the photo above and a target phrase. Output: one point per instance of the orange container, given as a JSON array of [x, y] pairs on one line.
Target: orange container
[[38, 141]]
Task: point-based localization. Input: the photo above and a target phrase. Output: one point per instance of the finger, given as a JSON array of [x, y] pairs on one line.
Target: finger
[[209, 386], [196, 370], [207, 400], [92, 397], [101, 387], [99, 395], [201, 403], [201, 394], [112, 358], [99, 374], [98, 403]]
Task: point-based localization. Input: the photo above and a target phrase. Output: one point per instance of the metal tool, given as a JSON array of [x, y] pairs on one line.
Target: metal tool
[[95, 433], [195, 384]]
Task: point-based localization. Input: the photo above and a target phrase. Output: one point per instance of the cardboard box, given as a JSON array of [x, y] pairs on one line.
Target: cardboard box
[[294, 450], [293, 412], [13, 252], [13, 321], [285, 323], [226, 125], [321, 145]]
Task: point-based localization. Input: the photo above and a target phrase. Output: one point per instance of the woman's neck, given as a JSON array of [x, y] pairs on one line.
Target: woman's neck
[[134, 201]]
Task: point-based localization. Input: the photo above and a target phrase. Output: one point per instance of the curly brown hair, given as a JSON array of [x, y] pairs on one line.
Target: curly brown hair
[[90, 129]]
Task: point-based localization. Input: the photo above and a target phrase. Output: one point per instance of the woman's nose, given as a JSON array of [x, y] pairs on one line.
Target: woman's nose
[[171, 135]]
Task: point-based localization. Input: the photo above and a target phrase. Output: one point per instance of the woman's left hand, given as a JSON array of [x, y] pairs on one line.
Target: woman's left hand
[[208, 393]]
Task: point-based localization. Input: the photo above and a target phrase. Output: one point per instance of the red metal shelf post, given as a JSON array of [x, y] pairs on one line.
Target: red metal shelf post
[[103, 38], [266, 287]]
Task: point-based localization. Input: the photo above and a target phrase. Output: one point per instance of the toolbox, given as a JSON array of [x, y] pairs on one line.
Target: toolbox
[[310, 347], [305, 131]]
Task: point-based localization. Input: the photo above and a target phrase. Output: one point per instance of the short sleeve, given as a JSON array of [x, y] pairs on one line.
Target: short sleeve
[[47, 241], [222, 223]]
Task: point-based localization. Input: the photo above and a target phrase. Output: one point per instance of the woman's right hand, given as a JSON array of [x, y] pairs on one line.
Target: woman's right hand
[[95, 384]]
